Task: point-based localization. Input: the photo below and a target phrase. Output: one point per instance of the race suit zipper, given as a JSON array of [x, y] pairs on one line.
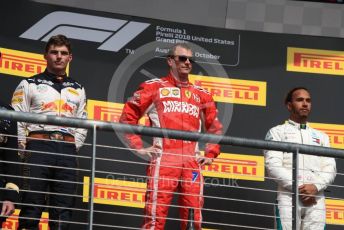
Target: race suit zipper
[[181, 101], [302, 157]]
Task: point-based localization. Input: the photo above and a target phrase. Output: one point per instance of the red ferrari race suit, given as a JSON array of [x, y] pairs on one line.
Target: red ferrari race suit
[[173, 105]]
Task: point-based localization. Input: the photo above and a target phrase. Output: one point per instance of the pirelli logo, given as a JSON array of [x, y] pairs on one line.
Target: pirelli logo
[[334, 131], [132, 194], [315, 61], [334, 212], [116, 192], [13, 224], [108, 111], [20, 63], [236, 166], [233, 90]]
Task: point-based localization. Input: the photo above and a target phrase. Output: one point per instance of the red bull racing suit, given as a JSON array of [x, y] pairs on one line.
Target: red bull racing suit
[[173, 105], [316, 170], [45, 94]]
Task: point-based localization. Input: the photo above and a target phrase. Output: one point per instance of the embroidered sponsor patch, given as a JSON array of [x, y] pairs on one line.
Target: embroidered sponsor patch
[[169, 92], [17, 100], [196, 98], [42, 88], [315, 138], [187, 93], [194, 176], [181, 107], [18, 93], [73, 91]]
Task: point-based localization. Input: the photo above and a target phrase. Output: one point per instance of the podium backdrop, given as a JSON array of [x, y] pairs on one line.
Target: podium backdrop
[[248, 74]]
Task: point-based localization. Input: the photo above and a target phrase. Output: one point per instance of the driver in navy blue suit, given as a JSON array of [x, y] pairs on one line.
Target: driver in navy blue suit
[[9, 167]]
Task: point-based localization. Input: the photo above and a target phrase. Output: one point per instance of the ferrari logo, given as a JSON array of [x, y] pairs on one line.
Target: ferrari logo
[[187, 93]]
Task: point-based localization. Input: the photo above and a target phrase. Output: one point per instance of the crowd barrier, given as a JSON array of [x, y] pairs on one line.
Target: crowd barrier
[[92, 182]]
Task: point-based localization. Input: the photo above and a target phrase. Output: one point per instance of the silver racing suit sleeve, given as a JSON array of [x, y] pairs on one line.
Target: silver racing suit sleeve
[[274, 163], [21, 102], [327, 173], [80, 134]]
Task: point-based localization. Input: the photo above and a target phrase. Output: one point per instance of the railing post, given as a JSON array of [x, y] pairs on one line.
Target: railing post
[[295, 191], [93, 168]]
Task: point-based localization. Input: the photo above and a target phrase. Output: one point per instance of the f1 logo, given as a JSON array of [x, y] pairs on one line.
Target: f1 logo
[[86, 27]]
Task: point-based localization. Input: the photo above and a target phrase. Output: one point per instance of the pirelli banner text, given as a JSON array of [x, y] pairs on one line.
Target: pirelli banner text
[[108, 111], [20, 63], [233, 90], [334, 131], [335, 212], [315, 61], [12, 223], [132, 194], [247, 73]]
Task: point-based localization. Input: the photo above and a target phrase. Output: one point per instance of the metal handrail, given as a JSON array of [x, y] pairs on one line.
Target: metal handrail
[[182, 135], [170, 133]]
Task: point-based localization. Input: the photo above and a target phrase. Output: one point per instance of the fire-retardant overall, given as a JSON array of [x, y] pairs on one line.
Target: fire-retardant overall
[[316, 170], [173, 105], [45, 94]]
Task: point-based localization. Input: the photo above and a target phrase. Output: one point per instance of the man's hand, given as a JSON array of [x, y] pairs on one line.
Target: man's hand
[[150, 153], [21, 151], [7, 208], [3, 139], [307, 194], [308, 189], [202, 160], [308, 200]]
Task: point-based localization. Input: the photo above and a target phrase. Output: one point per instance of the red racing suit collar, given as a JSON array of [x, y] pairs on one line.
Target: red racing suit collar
[[181, 84]]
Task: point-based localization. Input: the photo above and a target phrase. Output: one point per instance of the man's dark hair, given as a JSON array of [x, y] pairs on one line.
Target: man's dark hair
[[173, 48], [289, 96], [59, 40]]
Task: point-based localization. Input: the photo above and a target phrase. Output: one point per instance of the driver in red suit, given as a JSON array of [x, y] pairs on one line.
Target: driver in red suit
[[172, 102]]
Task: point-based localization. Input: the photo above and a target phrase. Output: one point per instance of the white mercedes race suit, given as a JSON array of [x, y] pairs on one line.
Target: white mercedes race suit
[[316, 170]]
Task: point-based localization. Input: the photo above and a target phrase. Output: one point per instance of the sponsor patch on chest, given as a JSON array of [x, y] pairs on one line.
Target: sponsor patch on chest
[[42, 88], [73, 91], [173, 92], [181, 107], [316, 138]]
